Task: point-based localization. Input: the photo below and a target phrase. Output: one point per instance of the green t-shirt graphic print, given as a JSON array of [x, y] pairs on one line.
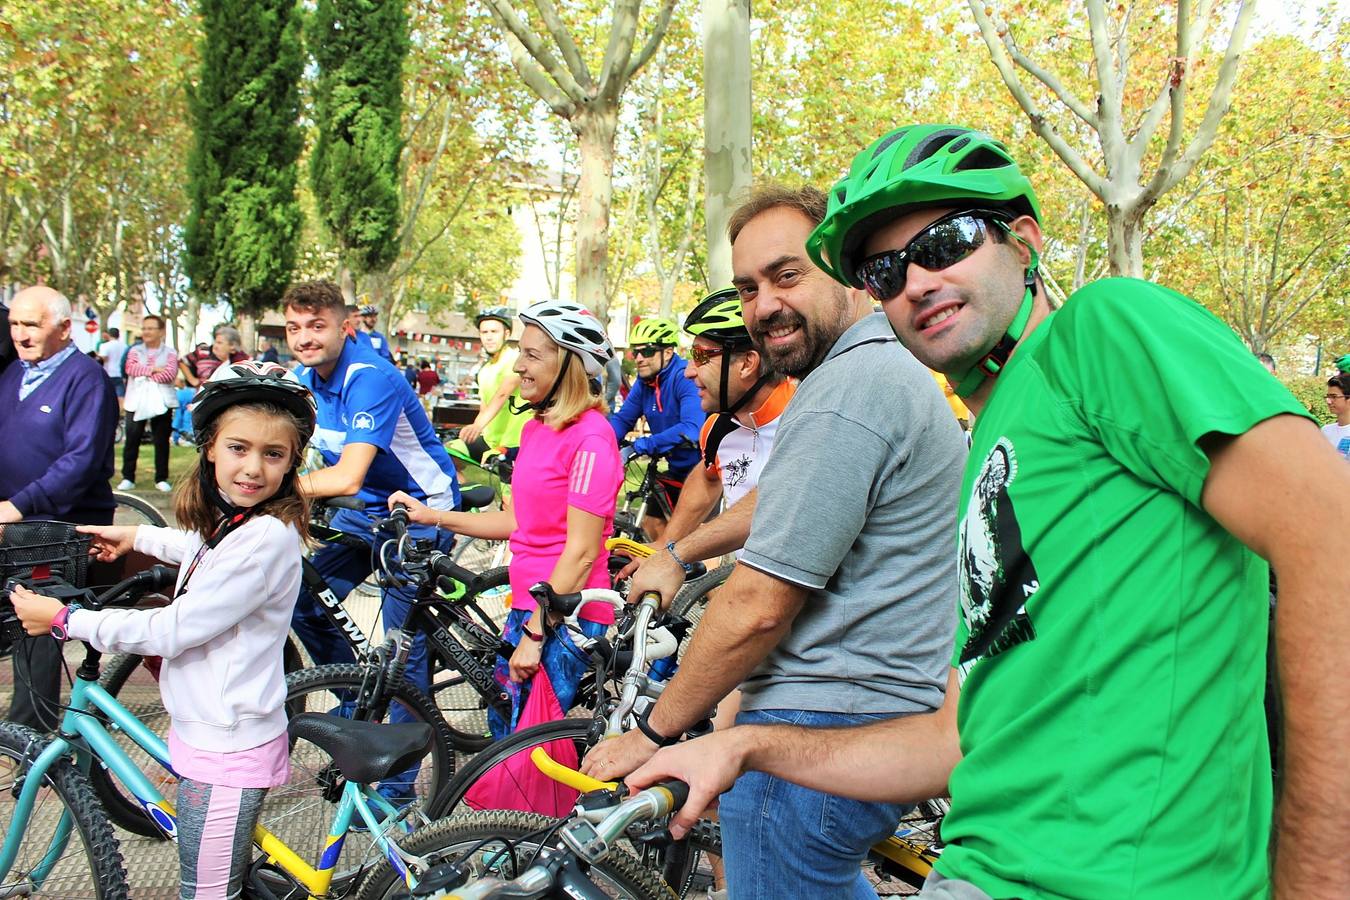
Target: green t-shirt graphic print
[[1111, 634]]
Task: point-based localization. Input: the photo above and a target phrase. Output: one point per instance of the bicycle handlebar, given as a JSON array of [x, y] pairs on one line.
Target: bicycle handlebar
[[587, 836]]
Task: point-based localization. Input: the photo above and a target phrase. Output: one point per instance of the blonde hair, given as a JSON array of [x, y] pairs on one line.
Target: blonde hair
[[194, 509], [574, 395]]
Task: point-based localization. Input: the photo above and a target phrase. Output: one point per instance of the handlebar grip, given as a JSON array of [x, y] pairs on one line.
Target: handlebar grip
[[158, 578], [445, 566], [353, 503], [678, 790]]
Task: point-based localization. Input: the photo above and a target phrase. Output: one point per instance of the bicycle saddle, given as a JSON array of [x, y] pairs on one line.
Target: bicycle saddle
[[476, 497], [365, 752]]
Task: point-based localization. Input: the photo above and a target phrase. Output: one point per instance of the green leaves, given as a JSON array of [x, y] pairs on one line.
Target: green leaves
[[245, 222]]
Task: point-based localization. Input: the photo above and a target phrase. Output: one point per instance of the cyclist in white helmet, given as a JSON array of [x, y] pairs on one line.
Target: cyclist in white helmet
[[567, 479]]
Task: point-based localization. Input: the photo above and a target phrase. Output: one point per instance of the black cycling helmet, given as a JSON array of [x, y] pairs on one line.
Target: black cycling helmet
[[253, 381], [501, 314]]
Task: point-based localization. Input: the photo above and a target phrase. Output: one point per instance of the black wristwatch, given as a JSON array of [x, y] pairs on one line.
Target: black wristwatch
[[652, 735]]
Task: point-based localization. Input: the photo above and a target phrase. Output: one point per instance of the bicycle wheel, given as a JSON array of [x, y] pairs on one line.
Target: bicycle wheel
[[132, 510], [88, 863], [126, 679], [618, 875], [301, 812], [692, 599], [460, 703]]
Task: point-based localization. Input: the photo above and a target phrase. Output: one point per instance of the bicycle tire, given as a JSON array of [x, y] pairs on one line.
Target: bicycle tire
[[299, 813], [692, 600], [461, 705], [106, 876], [136, 689], [451, 801], [450, 838], [132, 510], [478, 553]]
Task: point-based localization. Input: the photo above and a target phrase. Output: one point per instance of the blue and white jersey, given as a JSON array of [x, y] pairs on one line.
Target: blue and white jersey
[[377, 341], [367, 401]]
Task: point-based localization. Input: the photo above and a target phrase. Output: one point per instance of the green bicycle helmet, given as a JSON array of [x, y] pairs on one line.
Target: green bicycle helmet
[[911, 168], [717, 317], [653, 331], [1343, 364], [921, 167]]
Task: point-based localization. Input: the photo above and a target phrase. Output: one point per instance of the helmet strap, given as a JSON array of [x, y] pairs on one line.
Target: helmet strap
[[517, 409], [993, 362], [726, 419]]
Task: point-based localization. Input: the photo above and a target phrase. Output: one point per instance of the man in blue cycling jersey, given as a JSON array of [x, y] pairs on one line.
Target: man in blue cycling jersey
[[668, 400], [370, 315], [375, 439]]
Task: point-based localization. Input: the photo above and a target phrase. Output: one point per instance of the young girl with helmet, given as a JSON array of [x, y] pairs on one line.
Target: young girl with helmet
[[239, 548], [567, 478]]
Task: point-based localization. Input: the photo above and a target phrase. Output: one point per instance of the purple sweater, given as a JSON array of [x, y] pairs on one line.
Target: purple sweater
[[56, 445]]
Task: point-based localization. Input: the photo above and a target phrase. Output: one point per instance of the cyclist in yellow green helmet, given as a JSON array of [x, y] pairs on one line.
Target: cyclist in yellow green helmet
[[496, 425]]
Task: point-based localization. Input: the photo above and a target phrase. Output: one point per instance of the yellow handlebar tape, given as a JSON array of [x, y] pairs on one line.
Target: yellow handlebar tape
[[629, 547], [570, 777]]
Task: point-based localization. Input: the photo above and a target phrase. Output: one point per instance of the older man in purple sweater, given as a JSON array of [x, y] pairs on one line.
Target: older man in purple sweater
[[58, 414]]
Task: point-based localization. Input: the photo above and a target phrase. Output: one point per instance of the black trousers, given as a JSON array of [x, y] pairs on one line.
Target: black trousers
[[160, 427]]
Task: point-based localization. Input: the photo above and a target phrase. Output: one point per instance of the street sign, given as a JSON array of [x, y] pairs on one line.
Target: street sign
[[91, 326]]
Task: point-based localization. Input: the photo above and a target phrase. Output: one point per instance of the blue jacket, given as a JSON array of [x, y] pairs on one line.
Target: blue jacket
[[670, 404]]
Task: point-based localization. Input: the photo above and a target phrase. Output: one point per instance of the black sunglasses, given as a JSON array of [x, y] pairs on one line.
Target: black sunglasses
[[646, 352], [944, 243]]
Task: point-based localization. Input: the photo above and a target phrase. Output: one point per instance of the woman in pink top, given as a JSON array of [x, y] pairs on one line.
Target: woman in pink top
[[566, 481]]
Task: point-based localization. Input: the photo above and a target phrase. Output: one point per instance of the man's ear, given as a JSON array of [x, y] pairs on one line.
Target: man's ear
[[1029, 230]]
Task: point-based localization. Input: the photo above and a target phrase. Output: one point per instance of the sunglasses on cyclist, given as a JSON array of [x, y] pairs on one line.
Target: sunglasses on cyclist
[[646, 352], [944, 243], [701, 356]]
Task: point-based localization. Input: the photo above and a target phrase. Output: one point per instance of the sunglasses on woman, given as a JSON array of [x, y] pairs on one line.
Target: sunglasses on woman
[[944, 243]]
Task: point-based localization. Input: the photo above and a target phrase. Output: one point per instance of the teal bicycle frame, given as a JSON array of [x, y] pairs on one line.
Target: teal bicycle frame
[[84, 736]]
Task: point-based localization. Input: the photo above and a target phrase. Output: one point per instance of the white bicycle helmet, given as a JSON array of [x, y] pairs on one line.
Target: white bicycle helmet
[[574, 327], [253, 381]]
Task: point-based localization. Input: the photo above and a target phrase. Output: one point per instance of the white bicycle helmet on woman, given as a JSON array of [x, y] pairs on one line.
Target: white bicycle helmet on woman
[[575, 328]]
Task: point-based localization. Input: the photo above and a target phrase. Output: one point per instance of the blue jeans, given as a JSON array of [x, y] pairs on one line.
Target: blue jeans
[[782, 840], [344, 568]]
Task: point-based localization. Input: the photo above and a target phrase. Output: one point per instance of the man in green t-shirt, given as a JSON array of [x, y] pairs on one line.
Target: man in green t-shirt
[[497, 425], [1103, 732]]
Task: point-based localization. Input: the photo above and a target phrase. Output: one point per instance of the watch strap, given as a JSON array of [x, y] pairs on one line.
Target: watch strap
[[652, 734]]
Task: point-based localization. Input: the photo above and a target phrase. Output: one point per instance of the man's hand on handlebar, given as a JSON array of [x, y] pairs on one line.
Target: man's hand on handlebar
[[110, 541], [658, 573], [34, 610], [710, 765], [418, 511]]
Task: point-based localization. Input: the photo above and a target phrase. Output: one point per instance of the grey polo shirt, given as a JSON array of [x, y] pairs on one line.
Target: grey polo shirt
[[858, 505]]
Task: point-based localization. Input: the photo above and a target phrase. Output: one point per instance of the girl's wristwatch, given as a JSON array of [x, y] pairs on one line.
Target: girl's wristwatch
[[59, 622]]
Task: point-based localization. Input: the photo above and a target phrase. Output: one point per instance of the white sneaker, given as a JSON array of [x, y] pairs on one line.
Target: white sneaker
[[164, 486], [125, 485]]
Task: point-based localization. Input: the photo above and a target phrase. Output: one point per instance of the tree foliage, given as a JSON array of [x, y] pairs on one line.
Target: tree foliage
[[244, 226], [359, 47]]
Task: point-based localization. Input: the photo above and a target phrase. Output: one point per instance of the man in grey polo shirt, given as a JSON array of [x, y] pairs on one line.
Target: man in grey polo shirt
[[842, 609]]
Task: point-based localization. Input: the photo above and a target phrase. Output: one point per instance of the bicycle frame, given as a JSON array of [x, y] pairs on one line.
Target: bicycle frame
[[84, 735]]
